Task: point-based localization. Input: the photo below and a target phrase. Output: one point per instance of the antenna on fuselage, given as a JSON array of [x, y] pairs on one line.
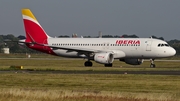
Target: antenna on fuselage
[[100, 34]]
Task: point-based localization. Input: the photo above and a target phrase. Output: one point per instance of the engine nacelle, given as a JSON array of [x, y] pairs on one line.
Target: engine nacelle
[[22, 42], [104, 58], [132, 61]]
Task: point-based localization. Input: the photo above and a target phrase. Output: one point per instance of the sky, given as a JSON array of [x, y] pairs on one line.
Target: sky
[[143, 18]]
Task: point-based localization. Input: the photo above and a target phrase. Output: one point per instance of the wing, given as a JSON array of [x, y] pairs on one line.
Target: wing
[[82, 50]]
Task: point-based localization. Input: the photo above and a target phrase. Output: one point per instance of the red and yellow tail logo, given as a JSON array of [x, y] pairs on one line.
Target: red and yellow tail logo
[[36, 37], [34, 31]]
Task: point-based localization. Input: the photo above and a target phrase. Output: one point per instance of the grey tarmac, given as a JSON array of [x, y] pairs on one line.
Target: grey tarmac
[[91, 72]]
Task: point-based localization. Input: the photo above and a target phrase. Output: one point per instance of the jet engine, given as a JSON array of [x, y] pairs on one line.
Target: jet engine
[[22, 42], [104, 58], [132, 61]]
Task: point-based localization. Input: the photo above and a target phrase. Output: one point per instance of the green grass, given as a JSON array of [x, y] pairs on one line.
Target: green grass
[[17, 85], [151, 87]]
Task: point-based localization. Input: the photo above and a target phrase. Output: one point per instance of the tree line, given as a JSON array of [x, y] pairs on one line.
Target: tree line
[[11, 42]]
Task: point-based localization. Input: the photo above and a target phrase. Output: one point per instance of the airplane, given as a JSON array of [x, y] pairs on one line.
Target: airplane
[[101, 50]]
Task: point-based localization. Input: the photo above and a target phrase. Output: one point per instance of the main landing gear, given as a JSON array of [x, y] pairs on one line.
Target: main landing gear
[[152, 65], [88, 64]]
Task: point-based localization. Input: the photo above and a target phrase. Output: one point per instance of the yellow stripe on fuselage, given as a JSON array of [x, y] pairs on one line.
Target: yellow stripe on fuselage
[[28, 12]]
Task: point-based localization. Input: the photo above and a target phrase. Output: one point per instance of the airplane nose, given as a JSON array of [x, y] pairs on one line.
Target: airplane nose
[[173, 52]]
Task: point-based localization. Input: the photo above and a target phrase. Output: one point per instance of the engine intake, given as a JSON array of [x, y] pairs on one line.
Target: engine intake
[[104, 58]]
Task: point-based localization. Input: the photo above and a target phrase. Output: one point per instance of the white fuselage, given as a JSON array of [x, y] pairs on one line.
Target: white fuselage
[[121, 47]]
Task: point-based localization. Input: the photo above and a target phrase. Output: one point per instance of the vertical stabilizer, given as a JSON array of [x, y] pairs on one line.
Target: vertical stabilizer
[[34, 31]]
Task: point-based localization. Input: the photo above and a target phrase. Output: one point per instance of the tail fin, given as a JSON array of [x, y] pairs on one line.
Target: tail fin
[[34, 31]]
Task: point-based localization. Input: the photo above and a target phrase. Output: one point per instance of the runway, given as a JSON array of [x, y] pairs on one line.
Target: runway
[[91, 72]]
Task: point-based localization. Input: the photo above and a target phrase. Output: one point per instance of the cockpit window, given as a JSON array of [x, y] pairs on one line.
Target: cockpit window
[[161, 45], [166, 45]]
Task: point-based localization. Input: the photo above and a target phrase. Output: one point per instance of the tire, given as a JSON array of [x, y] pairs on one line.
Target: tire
[[108, 65], [88, 64], [152, 65]]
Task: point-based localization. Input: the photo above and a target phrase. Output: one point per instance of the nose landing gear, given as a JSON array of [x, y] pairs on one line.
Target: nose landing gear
[[152, 65], [108, 65]]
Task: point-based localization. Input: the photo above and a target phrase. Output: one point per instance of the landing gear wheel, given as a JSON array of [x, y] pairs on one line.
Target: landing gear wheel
[[152, 65], [88, 64], [108, 65]]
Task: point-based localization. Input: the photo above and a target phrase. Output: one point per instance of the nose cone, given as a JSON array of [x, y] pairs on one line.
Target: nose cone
[[167, 52], [172, 52]]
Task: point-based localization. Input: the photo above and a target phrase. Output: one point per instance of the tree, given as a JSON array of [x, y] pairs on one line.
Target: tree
[[63, 36], [129, 36], [161, 38], [21, 37], [107, 36]]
